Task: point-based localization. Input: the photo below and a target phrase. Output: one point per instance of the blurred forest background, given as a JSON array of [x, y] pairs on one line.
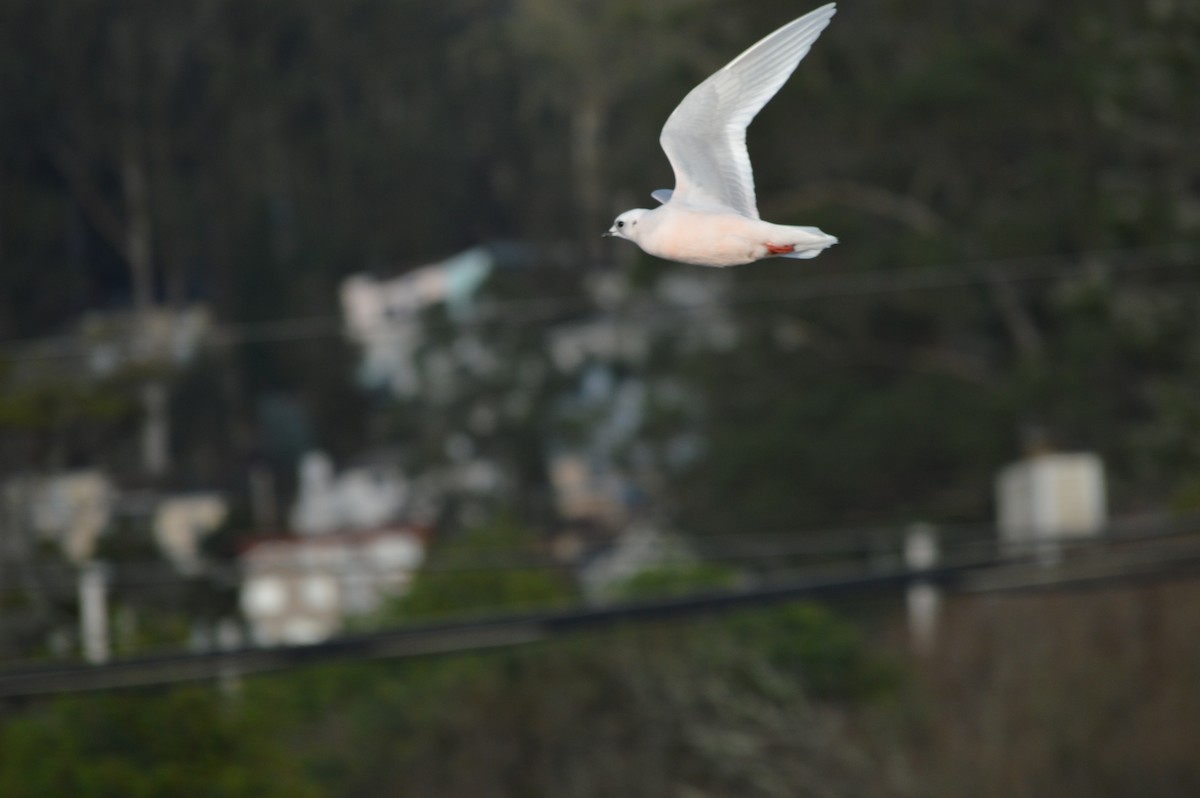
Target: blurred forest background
[[1016, 186]]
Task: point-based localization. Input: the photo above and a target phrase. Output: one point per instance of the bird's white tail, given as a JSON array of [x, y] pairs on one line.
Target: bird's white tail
[[809, 242]]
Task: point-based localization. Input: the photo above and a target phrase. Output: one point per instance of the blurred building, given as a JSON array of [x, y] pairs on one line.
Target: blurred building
[[73, 510], [113, 340], [110, 342], [301, 590], [362, 497], [69, 510], [1049, 497], [585, 492], [182, 522], [383, 316]]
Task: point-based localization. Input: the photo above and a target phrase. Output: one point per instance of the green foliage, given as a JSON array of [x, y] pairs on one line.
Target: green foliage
[[438, 594], [667, 700], [530, 720], [828, 449], [57, 416], [826, 653], [677, 580], [476, 575], [181, 742]]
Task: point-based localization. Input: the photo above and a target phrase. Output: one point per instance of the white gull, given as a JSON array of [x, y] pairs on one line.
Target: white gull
[[711, 218]]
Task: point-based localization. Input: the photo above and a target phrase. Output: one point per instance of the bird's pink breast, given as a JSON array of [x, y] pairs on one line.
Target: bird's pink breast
[[706, 239]]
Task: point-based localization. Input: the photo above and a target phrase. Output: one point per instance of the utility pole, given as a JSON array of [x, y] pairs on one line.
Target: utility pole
[[139, 249], [93, 613], [923, 598]]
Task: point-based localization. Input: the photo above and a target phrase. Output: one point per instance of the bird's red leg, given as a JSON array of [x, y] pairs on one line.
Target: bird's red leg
[[776, 249]]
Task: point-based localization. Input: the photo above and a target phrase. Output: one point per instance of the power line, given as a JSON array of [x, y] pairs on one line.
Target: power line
[[1003, 575], [445, 638], [541, 310], [504, 631], [849, 544], [517, 312]]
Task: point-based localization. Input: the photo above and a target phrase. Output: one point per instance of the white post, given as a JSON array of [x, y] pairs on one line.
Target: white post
[[924, 600], [93, 613]]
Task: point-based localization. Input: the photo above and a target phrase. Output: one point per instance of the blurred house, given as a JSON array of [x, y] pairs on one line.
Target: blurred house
[[301, 590], [106, 343], [1048, 497], [588, 467], [584, 492], [384, 316], [601, 462], [114, 340], [181, 522], [362, 497], [70, 510], [73, 510]]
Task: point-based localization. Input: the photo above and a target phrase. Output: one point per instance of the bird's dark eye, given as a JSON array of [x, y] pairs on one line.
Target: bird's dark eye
[[620, 224]]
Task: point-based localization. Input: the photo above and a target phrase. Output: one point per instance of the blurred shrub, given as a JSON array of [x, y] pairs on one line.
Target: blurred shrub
[[493, 567], [825, 653], [181, 742], [677, 580]]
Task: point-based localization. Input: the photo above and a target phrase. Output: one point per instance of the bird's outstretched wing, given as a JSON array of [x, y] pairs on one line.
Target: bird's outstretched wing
[[705, 136]]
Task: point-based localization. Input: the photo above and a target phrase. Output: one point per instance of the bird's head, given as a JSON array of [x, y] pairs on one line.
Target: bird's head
[[626, 225]]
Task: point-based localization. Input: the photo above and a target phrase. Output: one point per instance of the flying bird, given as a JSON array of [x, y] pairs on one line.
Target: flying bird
[[711, 218]]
